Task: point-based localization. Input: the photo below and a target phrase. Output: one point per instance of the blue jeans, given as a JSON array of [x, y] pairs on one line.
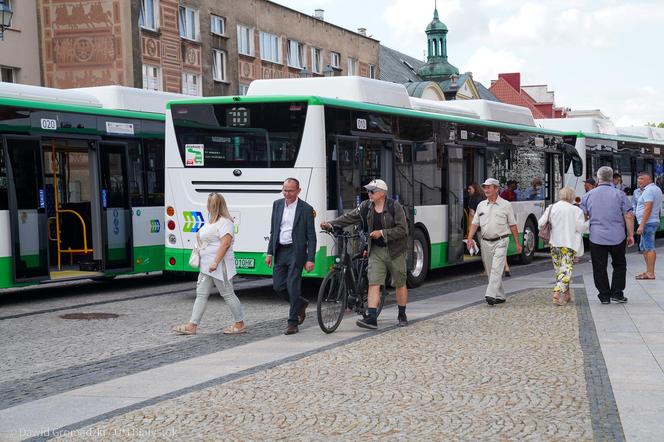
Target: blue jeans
[[648, 237]]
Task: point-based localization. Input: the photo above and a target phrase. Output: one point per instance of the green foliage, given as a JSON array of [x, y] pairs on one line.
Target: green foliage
[[660, 125]]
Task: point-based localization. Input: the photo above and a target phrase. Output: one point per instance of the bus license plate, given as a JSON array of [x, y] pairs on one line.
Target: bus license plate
[[245, 263]]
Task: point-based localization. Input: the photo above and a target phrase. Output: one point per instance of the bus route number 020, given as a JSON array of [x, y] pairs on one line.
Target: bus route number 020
[[49, 124]]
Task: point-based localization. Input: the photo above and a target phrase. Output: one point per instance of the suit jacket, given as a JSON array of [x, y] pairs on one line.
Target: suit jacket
[[304, 232]]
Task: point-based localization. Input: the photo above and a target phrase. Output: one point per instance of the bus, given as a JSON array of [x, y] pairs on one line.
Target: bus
[[81, 183], [627, 150], [335, 135]]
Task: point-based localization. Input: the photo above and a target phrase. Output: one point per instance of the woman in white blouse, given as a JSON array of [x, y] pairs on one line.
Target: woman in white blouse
[[567, 225], [217, 267]]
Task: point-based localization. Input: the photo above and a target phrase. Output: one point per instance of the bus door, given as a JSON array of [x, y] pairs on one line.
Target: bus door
[[403, 190], [114, 207], [27, 209], [455, 214], [553, 178], [348, 174]]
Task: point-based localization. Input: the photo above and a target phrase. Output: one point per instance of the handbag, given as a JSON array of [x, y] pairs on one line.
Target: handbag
[[545, 231], [195, 257]]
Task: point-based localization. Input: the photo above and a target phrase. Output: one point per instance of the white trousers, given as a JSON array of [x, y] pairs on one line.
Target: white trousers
[[494, 254]]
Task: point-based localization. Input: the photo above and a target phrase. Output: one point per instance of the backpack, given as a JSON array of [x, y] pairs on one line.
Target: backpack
[[364, 214]]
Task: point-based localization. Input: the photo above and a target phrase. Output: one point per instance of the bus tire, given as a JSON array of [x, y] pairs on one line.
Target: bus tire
[[418, 273], [529, 243]]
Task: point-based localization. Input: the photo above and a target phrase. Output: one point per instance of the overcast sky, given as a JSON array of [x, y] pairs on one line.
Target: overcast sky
[[595, 54]]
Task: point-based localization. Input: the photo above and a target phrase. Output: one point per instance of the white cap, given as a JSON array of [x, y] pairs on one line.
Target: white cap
[[491, 182], [377, 185]]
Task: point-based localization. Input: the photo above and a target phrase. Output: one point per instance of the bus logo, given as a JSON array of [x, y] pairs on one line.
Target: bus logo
[[155, 226], [193, 221]]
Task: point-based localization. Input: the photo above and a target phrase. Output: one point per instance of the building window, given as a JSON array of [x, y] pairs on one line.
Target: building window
[[189, 23], [372, 71], [151, 78], [149, 14], [270, 44], [335, 60], [352, 66], [217, 25], [244, 88], [245, 38], [191, 84], [295, 54], [7, 75], [218, 65], [316, 60]]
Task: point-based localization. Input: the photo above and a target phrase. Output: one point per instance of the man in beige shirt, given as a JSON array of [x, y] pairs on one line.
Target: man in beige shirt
[[495, 218]]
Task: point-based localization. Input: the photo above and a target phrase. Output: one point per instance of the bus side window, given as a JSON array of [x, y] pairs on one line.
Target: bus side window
[[154, 172], [135, 175]]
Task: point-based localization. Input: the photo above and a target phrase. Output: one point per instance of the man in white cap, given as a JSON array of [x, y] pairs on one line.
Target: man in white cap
[[385, 220], [495, 218]]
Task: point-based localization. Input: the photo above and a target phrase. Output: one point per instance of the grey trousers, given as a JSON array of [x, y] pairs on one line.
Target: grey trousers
[[494, 254], [203, 288]]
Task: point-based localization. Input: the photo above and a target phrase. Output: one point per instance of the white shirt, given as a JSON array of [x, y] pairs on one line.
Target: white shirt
[[212, 234], [567, 225], [287, 220]]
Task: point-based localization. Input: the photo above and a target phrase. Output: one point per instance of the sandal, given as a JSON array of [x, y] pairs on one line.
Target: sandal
[[568, 296], [182, 330], [644, 276], [556, 300], [234, 330]]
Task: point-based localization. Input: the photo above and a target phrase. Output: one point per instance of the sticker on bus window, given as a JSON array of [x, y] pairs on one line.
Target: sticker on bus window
[[194, 154], [539, 142], [119, 128], [493, 136]]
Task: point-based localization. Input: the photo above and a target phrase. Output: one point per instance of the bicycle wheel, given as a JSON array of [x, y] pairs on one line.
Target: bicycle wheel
[[331, 301]]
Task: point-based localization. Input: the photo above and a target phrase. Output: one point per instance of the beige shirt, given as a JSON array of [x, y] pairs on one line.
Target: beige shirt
[[494, 219]]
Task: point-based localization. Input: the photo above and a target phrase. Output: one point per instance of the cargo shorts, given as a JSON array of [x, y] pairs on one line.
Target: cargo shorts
[[381, 264]]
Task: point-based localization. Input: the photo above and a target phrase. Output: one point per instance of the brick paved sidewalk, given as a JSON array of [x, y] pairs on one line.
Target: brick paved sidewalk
[[514, 371]]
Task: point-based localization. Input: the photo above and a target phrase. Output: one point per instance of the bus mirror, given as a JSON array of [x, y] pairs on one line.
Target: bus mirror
[[577, 165]]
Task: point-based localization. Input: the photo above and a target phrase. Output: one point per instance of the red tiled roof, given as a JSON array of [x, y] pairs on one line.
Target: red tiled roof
[[504, 91]]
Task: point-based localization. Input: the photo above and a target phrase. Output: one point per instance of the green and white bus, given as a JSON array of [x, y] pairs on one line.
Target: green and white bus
[[627, 150], [81, 183], [336, 134]]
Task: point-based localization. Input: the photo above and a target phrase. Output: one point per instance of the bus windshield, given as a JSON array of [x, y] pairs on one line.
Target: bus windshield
[[239, 134]]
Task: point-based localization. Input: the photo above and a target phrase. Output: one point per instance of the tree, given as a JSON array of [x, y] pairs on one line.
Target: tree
[[660, 125]]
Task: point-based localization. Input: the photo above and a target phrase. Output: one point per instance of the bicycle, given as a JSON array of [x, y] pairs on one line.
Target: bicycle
[[347, 284]]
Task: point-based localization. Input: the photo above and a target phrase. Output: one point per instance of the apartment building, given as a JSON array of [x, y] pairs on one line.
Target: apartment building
[[19, 48], [196, 47]]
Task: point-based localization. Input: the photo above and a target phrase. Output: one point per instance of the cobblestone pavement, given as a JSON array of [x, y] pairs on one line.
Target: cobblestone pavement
[[514, 371]]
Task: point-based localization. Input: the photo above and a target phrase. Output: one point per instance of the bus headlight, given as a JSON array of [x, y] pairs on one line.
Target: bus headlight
[[171, 239]]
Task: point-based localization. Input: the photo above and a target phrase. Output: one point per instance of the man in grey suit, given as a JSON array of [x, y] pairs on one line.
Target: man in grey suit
[[292, 246]]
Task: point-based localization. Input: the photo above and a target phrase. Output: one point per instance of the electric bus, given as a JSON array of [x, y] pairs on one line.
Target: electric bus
[[81, 183], [335, 135]]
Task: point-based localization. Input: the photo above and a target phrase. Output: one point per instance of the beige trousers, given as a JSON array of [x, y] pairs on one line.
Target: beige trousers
[[494, 254]]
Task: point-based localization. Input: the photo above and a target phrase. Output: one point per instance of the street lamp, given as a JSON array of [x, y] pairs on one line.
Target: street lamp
[[305, 73], [5, 17]]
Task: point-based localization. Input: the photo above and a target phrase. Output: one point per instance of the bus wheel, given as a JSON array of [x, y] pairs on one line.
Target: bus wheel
[[529, 244], [418, 273]]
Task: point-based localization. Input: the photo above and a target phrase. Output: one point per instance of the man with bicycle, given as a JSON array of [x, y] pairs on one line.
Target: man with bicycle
[[385, 220]]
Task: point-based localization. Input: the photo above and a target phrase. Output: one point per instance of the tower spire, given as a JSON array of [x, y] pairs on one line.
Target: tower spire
[[437, 66]]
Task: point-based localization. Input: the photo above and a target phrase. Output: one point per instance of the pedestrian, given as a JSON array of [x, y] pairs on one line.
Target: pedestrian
[[495, 218], [385, 220], [589, 184], [475, 196], [509, 194], [618, 182], [647, 203], [611, 229], [292, 246], [216, 267], [566, 243], [535, 191]]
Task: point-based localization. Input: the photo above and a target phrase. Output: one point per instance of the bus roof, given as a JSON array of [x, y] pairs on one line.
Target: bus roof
[[654, 133], [359, 92], [586, 125], [109, 100]]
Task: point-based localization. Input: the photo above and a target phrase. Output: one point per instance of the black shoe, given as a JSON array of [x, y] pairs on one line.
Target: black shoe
[[507, 273], [291, 330], [302, 313], [368, 322], [490, 300], [498, 301], [619, 300], [403, 320], [605, 301]]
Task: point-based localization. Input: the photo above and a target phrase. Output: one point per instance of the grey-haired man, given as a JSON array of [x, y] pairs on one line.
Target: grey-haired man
[[495, 217]]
